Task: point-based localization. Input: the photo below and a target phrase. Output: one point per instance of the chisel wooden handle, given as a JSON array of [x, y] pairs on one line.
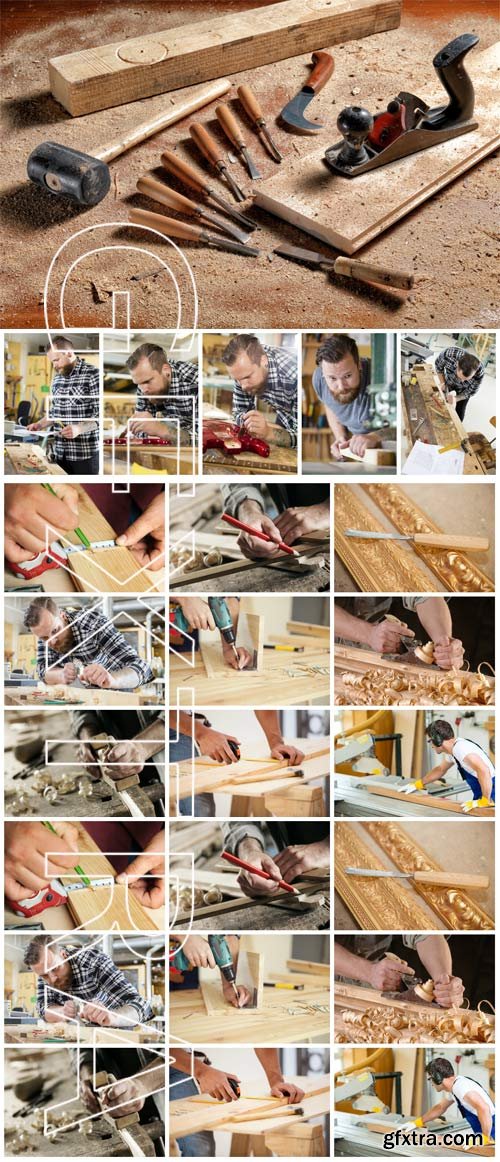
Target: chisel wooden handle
[[181, 107], [166, 196], [229, 125], [367, 272], [250, 103], [207, 144], [168, 226], [442, 879], [183, 172], [453, 541], [324, 65]]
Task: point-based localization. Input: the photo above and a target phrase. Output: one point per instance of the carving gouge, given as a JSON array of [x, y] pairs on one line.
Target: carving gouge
[[293, 113], [175, 201], [437, 879], [233, 132], [210, 149], [173, 228], [428, 540], [254, 112], [362, 271], [186, 174]]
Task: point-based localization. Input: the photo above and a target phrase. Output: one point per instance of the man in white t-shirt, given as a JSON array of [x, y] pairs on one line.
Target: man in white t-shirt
[[472, 761], [473, 1100]]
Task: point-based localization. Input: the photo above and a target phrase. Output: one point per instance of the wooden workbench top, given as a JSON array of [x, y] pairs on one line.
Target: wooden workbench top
[[285, 1017], [213, 776], [188, 1115], [271, 686], [43, 695], [71, 1033]]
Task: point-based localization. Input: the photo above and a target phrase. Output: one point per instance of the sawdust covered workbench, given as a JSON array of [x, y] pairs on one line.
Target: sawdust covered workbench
[[449, 241]]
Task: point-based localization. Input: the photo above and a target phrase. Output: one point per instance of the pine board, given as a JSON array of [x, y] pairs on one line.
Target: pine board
[[113, 74], [271, 1024], [113, 570], [214, 776], [250, 634], [189, 1115], [423, 800], [270, 687], [87, 903], [350, 213]]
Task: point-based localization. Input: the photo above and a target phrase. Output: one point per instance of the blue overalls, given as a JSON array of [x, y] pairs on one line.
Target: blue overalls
[[471, 779], [473, 1119]]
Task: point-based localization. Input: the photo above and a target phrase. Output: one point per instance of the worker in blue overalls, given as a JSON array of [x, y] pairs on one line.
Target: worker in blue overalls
[[472, 1099], [474, 765]]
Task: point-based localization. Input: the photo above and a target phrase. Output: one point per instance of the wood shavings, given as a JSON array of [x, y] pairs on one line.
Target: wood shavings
[[386, 687], [387, 1024]]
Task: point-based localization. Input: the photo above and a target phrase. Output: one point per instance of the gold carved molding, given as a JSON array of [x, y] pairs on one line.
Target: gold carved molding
[[456, 570], [375, 566], [375, 904], [456, 908]]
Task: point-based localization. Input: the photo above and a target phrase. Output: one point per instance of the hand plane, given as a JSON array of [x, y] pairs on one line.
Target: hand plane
[[408, 125]]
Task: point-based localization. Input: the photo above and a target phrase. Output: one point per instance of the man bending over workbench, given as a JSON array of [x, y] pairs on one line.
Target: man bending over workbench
[[363, 959], [191, 1074], [365, 621], [67, 971], [302, 509], [167, 392], [460, 374], [341, 380], [214, 744], [90, 647], [302, 846], [473, 764], [144, 738], [74, 399], [267, 374], [473, 1101]]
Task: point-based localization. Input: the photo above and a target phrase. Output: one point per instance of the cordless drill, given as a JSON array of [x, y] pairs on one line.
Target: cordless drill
[[221, 615], [221, 953]]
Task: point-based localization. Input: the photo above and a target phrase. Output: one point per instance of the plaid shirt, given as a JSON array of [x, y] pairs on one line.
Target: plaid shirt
[[95, 640], [95, 980], [75, 399], [280, 392], [447, 363], [182, 389]]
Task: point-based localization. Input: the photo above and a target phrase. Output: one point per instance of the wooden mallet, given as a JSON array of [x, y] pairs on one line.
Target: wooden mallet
[[86, 178]]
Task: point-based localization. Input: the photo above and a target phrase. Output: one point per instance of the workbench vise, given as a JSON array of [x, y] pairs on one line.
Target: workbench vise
[[408, 125]]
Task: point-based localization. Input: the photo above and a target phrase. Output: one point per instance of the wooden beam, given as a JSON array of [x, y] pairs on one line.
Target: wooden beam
[[157, 62], [348, 214], [423, 800]]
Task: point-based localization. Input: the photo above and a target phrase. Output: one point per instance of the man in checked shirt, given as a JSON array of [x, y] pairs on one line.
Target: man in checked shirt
[[87, 974], [264, 373], [70, 636], [167, 391], [74, 398]]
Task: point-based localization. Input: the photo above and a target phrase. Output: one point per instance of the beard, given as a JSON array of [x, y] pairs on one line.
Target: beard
[[345, 394], [62, 641]]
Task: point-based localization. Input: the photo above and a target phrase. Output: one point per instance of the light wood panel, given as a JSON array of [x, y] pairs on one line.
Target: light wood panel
[[113, 570], [349, 213], [188, 1115], [423, 800], [87, 905]]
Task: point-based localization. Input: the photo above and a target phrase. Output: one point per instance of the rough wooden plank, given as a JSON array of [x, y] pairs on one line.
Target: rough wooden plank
[[29, 459], [423, 800], [347, 214], [113, 74]]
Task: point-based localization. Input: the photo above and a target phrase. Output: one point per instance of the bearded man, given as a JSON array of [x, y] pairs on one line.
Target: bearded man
[[341, 380]]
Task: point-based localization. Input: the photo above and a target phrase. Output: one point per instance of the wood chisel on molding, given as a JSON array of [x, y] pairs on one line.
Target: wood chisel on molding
[[56, 556], [427, 540], [438, 879], [349, 267]]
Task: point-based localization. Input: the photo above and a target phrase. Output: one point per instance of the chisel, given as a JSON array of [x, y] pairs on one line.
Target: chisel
[[437, 879], [428, 540], [173, 228], [230, 127], [189, 177], [175, 201], [352, 267], [254, 112], [210, 149]]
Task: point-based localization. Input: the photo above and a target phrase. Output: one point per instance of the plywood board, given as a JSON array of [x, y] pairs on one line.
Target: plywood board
[[159, 61], [350, 213]]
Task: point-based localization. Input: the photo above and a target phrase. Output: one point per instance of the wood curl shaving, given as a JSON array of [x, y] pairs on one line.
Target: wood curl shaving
[[385, 1023], [381, 687]]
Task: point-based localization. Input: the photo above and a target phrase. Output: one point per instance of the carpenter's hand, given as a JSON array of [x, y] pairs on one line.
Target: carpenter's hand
[[385, 637], [88, 758], [214, 744], [198, 951], [337, 449], [97, 675], [123, 1097], [230, 996], [146, 536], [139, 422], [251, 885], [70, 431], [385, 975], [87, 1095], [297, 522], [197, 612], [287, 1089], [292, 754], [32, 514], [359, 444], [123, 759], [451, 398], [97, 1015], [449, 653], [448, 991], [256, 424], [39, 426], [215, 1082], [150, 427], [252, 547], [146, 874], [244, 657], [69, 1009], [28, 866], [70, 673], [299, 858]]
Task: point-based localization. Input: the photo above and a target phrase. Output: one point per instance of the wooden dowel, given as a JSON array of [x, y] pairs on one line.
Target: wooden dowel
[[368, 272]]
